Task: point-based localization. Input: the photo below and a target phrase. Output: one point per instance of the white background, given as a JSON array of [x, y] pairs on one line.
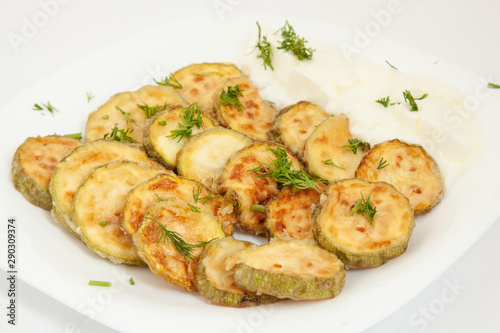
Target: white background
[[462, 32]]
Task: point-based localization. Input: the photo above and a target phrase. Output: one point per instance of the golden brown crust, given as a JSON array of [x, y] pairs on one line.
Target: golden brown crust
[[295, 123], [200, 81], [256, 118], [34, 163], [351, 235], [244, 188], [409, 168]]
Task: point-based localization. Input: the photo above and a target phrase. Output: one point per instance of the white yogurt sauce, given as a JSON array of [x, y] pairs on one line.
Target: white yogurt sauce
[[351, 86]]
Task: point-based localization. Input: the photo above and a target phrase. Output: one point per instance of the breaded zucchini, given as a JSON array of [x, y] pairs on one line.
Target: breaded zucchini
[[244, 188], [216, 282], [200, 81], [98, 209], [72, 171], [158, 251], [289, 214], [409, 168], [34, 163], [205, 155], [169, 187], [298, 269], [160, 140], [256, 116], [127, 110], [326, 153], [295, 123], [363, 223]]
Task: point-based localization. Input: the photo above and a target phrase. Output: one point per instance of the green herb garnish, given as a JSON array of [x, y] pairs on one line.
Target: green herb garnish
[[293, 43], [99, 283], [121, 135], [493, 85], [170, 82], [388, 63], [258, 208], [382, 164], [47, 106], [411, 100], [191, 117], [384, 101], [230, 97], [183, 248], [76, 136], [266, 51], [204, 200], [354, 144], [150, 111], [364, 206], [89, 96], [131, 281], [162, 123], [103, 223], [126, 115], [283, 172], [330, 162]]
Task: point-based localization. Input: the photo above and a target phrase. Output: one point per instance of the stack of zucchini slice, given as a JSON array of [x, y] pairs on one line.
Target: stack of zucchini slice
[[167, 173]]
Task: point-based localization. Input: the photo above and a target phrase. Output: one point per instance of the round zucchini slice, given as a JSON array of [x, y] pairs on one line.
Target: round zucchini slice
[[34, 163], [159, 140], [297, 269], [295, 124], [254, 118], [289, 214], [200, 81], [72, 171], [217, 284], [409, 168], [205, 155], [245, 189], [98, 209], [170, 187], [364, 223], [327, 153], [158, 251], [130, 110]]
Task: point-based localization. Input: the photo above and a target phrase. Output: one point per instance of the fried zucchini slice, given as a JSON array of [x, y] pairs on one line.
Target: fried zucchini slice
[[161, 256], [289, 214], [158, 140], [245, 188], [200, 81], [123, 109], [34, 163], [169, 187], [295, 124], [298, 269], [326, 153], [356, 239], [409, 168], [217, 284], [72, 171], [255, 119], [205, 155], [98, 209]]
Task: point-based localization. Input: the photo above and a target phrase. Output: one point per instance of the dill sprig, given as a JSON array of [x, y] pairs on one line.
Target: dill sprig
[[121, 135], [266, 51], [204, 200], [364, 206], [191, 117], [183, 248], [230, 97], [330, 162], [493, 85], [354, 144], [293, 43], [388, 63], [45, 106], [382, 164], [283, 172], [126, 116], [384, 101], [89, 96], [170, 82], [411, 100], [150, 111]]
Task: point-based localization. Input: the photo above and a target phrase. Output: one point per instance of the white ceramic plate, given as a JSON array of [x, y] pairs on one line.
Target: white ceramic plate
[[55, 262]]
